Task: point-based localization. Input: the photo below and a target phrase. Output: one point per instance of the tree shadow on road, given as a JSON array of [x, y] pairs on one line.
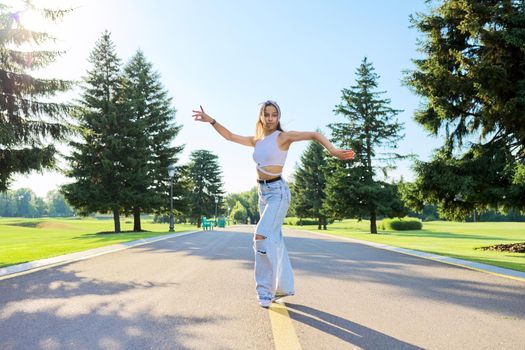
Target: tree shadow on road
[[59, 308], [341, 260]]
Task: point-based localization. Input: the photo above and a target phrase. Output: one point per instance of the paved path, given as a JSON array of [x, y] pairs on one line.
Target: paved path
[[197, 292]]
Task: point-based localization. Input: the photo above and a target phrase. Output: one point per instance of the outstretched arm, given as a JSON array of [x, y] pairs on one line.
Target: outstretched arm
[[290, 137], [227, 134]]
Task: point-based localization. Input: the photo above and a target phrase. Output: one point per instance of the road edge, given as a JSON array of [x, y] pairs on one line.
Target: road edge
[[42, 264], [485, 268]]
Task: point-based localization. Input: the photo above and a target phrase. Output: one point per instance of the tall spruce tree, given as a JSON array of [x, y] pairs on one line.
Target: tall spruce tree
[[97, 162], [149, 110], [309, 184], [472, 79], [29, 117], [372, 131], [206, 184]]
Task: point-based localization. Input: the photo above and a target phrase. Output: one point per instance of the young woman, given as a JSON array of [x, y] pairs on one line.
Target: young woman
[[273, 271]]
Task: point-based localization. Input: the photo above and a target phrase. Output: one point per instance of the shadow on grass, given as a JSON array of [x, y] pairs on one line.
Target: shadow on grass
[[124, 236], [42, 224], [32, 224], [119, 233]]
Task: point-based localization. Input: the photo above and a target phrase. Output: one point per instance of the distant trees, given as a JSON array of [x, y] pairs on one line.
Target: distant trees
[[249, 201], [24, 202], [28, 118], [57, 205], [8, 204], [238, 213]]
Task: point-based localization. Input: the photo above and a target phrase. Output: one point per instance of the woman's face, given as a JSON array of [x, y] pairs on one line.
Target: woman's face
[[270, 117]]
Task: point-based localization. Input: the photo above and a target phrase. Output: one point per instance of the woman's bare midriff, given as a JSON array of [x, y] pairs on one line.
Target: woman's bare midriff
[[277, 169]]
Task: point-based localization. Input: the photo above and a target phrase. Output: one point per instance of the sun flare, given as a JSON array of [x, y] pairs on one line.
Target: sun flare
[[31, 15]]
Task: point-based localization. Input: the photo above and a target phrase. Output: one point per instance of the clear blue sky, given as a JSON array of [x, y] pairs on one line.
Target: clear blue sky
[[231, 55]]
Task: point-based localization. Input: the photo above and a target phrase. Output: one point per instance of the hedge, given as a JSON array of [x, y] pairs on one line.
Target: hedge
[[402, 224]]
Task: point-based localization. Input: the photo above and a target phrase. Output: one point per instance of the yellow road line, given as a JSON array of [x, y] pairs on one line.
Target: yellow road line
[[284, 335]]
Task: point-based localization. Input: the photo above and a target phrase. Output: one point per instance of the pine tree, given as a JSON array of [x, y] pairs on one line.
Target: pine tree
[[28, 116], [96, 162], [371, 130], [151, 116], [472, 79], [206, 185], [309, 184]]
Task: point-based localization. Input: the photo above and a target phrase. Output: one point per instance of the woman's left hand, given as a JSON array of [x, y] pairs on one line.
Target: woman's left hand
[[201, 116], [343, 154]]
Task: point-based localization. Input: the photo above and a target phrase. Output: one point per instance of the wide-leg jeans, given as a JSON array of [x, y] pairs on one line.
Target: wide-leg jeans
[[273, 270]]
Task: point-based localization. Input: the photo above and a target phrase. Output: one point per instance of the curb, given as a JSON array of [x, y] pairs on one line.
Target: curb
[[490, 269], [37, 265]]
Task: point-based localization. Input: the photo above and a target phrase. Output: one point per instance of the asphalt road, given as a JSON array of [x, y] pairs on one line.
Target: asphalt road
[[197, 292]]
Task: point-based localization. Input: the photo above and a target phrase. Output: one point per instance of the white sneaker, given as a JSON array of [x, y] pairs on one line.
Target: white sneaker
[[265, 302], [280, 296]]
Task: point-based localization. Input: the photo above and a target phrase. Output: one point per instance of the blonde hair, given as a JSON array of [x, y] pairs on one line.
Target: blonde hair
[[259, 130]]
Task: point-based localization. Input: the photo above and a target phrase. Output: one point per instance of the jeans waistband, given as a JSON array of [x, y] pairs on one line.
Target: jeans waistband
[[269, 180]]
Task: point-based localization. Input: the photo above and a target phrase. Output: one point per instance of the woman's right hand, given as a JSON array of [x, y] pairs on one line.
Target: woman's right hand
[[202, 116], [343, 154]]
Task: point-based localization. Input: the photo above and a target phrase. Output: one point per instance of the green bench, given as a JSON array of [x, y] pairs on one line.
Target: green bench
[[207, 224]]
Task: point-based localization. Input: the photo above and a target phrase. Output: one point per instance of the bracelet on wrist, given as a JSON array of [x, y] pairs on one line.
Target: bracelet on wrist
[[213, 122]]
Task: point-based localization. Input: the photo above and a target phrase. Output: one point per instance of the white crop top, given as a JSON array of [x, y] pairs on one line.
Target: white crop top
[[266, 152]]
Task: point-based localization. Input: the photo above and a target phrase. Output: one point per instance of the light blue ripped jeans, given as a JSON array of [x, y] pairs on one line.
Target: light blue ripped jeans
[[273, 271]]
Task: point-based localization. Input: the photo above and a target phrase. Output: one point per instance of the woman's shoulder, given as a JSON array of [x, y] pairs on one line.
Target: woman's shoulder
[[286, 134], [293, 136]]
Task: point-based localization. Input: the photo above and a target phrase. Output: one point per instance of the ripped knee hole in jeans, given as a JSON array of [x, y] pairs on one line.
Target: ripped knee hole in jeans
[[260, 244]]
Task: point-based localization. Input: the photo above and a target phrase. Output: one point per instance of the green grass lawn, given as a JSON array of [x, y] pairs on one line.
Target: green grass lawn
[[23, 240], [454, 239]]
